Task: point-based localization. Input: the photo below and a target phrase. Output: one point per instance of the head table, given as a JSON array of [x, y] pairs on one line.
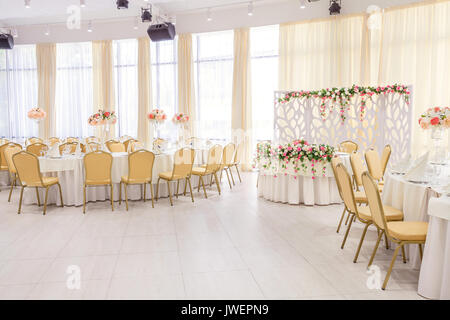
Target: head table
[[70, 171]]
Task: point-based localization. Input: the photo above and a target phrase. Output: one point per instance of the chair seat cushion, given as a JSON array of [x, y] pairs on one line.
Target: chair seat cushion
[[168, 176], [390, 213], [48, 181], [98, 182], [134, 181], [408, 230], [360, 196], [199, 171]]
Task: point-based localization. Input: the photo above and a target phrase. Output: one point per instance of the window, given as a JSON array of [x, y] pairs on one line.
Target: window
[[126, 86], [18, 91], [264, 71], [164, 82], [73, 100], [213, 58]]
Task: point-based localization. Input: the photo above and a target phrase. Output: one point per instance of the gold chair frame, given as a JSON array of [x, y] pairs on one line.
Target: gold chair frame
[[11, 168], [209, 169]]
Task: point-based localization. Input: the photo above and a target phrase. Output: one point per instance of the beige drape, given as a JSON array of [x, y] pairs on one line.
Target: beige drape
[[46, 70], [186, 88], [144, 89], [241, 114], [103, 78]]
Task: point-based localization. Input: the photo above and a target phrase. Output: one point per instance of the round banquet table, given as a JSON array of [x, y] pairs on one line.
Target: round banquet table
[[70, 172], [434, 280], [297, 188], [412, 199]]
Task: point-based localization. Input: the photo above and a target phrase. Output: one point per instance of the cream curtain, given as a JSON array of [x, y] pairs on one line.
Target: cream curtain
[[144, 89], [103, 77], [46, 71], [186, 87], [241, 113]]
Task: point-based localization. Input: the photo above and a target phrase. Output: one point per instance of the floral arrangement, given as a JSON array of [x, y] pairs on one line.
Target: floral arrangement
[[36, 114], [342, 96], [299, 154], [102, 117], [157, 115], [435, 118], [180, 118]]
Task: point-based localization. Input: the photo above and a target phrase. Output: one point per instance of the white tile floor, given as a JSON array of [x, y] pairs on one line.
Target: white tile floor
[[230, 246]]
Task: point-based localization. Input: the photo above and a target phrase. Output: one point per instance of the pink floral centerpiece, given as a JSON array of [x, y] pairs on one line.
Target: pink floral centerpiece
[[102, 118], [157, 116], [37, 114], [180, 118], [435, 118]]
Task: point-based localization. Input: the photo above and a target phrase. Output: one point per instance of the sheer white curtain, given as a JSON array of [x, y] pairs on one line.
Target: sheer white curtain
[[213, 63], [18, 92], [126, 82], [164, 83], [73, 102], [264, 56]]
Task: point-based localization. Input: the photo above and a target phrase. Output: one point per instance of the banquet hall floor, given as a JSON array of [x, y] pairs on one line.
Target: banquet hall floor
[[233, 246]]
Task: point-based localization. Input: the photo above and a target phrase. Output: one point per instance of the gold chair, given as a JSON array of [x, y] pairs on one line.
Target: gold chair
[[10, 150], [237, 158], [182, 169], [348, 146], [29, 173], [97, 172], [71, 145], [72, 140], [37, 148], [53, 140], [92, 146], [211, 167], [385, 156], [115, 146], [140, 171], [33, 140], [358, 167], [399, 232], [128, 143], [3, 163], [358, 212], [374, 166], [227, 162]]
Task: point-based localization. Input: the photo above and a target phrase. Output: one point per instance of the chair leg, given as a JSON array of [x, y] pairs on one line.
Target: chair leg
[[346, 220], [13, 183], [361, 241], [211, 180], [120, 193], [203, 184], [346, 233], [217, 182], [37, 196], [170, 194], [151, 192], [178, 187], [380, 234], [20, 201], [145, 191], [84, 199], [391, 266], [45, 200], [386, 240], [112, 197], [157, 189], [231, 174], [403, 254], [126, 195], [340, 221], [239, 175], [190, 188], [228, 177], [421, 251], [60, 195], [198, 186]]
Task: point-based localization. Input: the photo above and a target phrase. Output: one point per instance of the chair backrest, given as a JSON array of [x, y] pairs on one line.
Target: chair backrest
[[374, 200], [97, 166], [128, 143], [92, 139], [3, 141], [115, 146], [92, 146], [10, 150], [34, 140], [72, 145], [183, 160], [214, 154], [37, 148], [346, 188], [238, 153], [348, 146], [374, 164], [53, 140], [2, 154], [140, 165], [72, 139], [228, 153], [27, 167], [136, 145], [385, 157], [358, 167], [334, 162]]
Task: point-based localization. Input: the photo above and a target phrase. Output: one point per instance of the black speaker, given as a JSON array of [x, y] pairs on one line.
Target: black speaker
[[6, 41], [161, 32]]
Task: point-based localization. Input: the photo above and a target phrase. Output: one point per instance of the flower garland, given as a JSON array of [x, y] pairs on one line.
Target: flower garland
[[342, 96], [435, 118], [299, 153], [102, 117]]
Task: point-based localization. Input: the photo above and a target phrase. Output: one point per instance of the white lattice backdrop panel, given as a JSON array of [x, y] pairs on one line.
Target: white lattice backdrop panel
[[387, 120]]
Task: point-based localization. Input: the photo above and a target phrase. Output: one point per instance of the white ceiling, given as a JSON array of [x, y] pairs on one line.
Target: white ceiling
[[14, 13]]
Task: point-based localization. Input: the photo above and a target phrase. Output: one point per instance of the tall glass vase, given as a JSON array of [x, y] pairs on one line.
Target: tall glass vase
[[437, 148], [182, 127]]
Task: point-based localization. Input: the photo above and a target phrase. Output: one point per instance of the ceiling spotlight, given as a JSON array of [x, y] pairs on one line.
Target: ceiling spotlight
[[335, 7], [208, 15], [47, 30], [27, 4], [250, 9], [122, 4], [302, 4], [146, 15], [89, 28], [82, 3], [136, 23]]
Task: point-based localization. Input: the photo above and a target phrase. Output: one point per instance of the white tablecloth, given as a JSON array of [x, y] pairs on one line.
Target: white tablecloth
[[70, 171], [434, 280], [4, 178], [412, 199]]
